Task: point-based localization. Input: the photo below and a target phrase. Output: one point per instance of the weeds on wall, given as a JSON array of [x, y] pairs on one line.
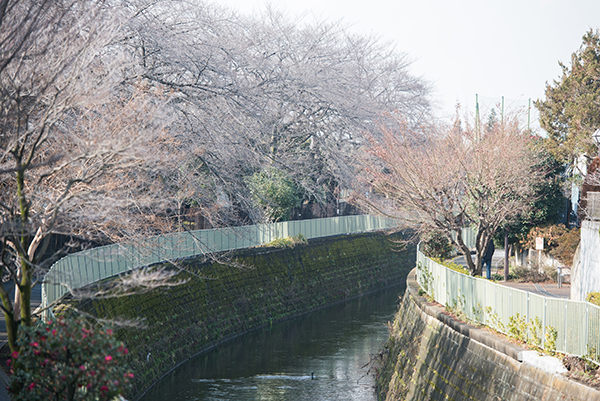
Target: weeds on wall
[[550, 344], [518, 328], [494, 320], [426, 280], [457, 307], [593, 298], [288, 242]]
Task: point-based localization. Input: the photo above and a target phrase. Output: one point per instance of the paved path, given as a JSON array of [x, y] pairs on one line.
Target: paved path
[[545, 289]]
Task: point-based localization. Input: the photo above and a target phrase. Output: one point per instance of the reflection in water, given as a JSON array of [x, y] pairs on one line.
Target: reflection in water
[[319, 356]]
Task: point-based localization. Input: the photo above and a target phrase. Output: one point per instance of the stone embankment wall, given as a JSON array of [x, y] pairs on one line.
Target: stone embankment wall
[[220, 301], [425, 359]]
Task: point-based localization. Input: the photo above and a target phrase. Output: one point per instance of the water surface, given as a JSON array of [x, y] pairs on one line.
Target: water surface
[[318, 356]]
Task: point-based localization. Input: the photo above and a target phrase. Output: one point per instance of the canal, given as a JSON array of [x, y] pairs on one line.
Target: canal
[[318, 356]]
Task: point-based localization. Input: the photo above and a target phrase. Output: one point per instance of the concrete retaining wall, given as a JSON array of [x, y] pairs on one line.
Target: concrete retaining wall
[[425, 359], [219, 301]]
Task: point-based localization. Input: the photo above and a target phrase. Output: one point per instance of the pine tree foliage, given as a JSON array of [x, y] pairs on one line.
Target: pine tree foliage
[[570, 112]]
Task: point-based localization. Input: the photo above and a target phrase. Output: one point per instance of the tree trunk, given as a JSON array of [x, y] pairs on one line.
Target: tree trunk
[[11, 323], [466, 251]]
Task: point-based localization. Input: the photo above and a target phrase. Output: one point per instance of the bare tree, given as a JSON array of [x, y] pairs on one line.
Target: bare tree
[[115, 115], [448, 178], [81, 149], [265, 92]]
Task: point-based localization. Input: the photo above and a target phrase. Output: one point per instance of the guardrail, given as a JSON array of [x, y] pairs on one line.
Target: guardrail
[[562, 325], [86, 267]]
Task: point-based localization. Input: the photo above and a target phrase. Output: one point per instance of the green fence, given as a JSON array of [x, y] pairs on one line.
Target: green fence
[[563, 325], [83, 268]]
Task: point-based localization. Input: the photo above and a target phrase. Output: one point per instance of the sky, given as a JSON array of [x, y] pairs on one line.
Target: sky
[[496, 48]]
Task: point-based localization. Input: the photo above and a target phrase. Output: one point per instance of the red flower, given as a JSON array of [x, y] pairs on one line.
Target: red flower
[[108, 358]]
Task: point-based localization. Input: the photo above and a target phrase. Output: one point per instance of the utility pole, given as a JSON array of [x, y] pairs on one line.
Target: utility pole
[[506, 254], [528, 114], [477, 125]]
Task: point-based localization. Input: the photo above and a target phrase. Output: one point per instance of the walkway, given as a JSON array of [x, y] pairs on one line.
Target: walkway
[[545, 289]]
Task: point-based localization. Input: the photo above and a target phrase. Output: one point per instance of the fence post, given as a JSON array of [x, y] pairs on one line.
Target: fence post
[[566, 322], [527, 315], [585, 327], [544, 324]]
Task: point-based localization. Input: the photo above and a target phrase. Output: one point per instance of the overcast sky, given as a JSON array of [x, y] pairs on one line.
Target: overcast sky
[[497, 48]]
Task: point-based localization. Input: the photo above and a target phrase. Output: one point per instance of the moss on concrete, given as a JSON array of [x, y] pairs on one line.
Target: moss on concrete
[[425, 359], [279, 284]]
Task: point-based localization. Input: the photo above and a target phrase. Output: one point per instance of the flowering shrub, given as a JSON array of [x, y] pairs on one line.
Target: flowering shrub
[[67, 359]]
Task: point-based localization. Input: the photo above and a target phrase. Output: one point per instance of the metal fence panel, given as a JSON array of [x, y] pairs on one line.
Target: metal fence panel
[[83, 268], [592, 331], [576, 324]]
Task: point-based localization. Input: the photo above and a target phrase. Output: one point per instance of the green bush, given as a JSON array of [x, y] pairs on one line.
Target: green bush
[[275, 192], [436, 245], [500, 277], [517, 328], [593, 298], [68, 359], [525, 274]]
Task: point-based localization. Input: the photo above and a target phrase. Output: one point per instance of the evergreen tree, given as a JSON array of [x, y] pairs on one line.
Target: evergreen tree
[[570, 113]]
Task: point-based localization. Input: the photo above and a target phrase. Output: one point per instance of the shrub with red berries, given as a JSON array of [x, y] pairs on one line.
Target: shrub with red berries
[[68, 359]]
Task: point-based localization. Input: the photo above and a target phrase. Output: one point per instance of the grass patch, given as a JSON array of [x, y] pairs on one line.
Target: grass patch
[[288, 242], [452, 266]]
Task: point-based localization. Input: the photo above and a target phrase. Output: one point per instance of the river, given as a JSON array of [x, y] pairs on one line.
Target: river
[[318, 356]]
